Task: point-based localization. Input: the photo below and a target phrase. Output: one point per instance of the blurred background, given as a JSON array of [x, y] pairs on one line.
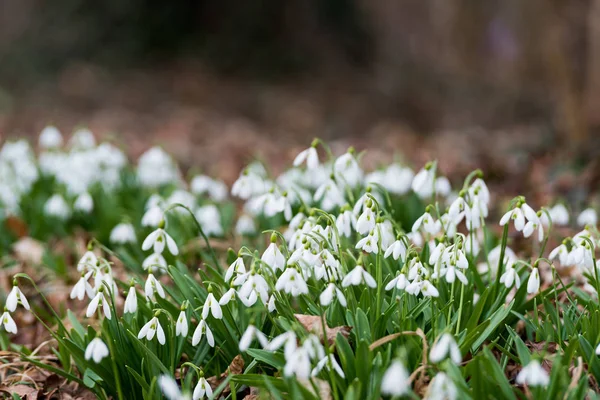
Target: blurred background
[[512, 87]]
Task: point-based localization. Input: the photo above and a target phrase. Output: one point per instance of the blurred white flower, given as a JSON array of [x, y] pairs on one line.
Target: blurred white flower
[[587, 217], [445, 347], [50, 138], [84, 203], [96, 350], [395, 380], [123, 233], [56, 206], [533, 375]]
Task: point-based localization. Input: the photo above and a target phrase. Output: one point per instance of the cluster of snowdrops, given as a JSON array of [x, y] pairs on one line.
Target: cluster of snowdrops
[[346, 284]]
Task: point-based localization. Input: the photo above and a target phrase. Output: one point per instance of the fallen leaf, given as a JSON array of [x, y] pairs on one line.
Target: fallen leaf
[[314, 324], [24, 391], [236, 367]]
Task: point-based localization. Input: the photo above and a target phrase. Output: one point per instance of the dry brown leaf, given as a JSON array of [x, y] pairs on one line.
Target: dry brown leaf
[[29, 250], [24, 391], [16, 226], [314, 324], [236, 367]]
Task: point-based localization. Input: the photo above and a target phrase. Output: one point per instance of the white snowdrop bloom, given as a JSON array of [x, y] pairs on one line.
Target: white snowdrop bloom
[[559, 215], [96, 350], [309, 155], [155, 262], [271, 304], [347, 170], [249, 335], [357, 277], [330, 362], [237, 267], [399, 282], [397, 250], [227, 297], [181, 327], [182, 197], [445, 347], [82, 139], [254, 286], [344, 222], [442, 186], [533, 375], [423, 183], [84, 203], [247, 185], [169, 388], [14, 298], [153, 286], [153, 217], [533, 283], [385, 230], [396, 380], [598, 350], [131, 301], [8, 323], [245, 225], [330, 195], [441, 388], [156, 168], [273, 257], [298, 364], [366, 221], [203, 330], [331, 292], [123, 233], [428, 289], [398, 179], [587, 217], [202, 184], [209, 218], [509, 277], [429, 224], [56, 206], [291, 282], [494, 257], [202, 390], [415, 238], [531, 227], [157, 240], [82, 287], [457, 209], [152, 328], [211, 305], [50, 138], [368, 244], [287, 339], [520, 214], [98, 299], [561, 252]]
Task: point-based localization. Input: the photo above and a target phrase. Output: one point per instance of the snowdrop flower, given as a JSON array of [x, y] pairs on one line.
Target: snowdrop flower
[[14, 298], [428, 289], [598, 350], [227, 297], [88, 261], [399, 282], [330, 195], [509, 277], [170, 389], [367, 221], [245, 225], [441, 388], [82, 139], [533, 284], [587, 217], [84, 203], [153, 217], [344, 223], [50, 138], [201, 330], [559, 215], [533, 375], [131, 301], [445, 347], [98, 299], [562, 253], [236, 267], [442, 186], [157, 240], [291, 282], [346, 169], [331, 291], [532, 226], [156, 168], [423, 182], [248, 184], [329, 362], [181, 327], [211, 305], [56, 206], [309, 155], [155, 262], [210, 219], [518, 214], [397, 250], [429, 224], [8, 323], [273, 256], [359, 276], [151, 328], [368, 244], [153, 286], [96, 350], [122, 234], [395, 380], [249, 335], [202, 389], [82, 287]]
